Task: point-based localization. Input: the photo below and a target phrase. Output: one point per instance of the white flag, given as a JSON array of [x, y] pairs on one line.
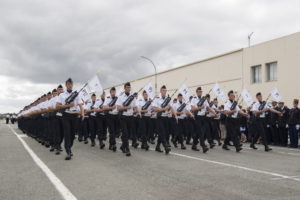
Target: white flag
[[119, 91], [275, 94], [84, 94], [95, 85], [218, 92], [184, 90], [247, 97], [150, 90]]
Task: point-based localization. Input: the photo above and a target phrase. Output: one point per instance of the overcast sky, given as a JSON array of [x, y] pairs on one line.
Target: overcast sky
[[42, 43]]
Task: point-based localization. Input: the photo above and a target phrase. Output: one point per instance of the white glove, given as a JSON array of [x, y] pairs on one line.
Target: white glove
[[298, 127], [287, 126]]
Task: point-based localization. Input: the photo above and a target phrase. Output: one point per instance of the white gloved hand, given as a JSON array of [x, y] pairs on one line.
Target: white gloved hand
[[287, 126], [298, 127]]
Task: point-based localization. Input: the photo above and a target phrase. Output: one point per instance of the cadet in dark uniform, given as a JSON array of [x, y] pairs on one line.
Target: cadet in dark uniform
[[144, 107], [259, 110], [69, 116], [126, 104], [293, 121], [112, 118], [232, 122], [201, 122], [161, 106], [282, 124]]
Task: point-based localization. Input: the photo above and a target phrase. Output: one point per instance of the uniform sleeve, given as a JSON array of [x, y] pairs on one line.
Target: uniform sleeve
[[193, 102], [255, 107]]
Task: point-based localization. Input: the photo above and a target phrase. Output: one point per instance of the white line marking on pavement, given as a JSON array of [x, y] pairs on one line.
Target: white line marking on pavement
[[61, 188], [232, 166], [281, 152], [23, 136], [285, 178]]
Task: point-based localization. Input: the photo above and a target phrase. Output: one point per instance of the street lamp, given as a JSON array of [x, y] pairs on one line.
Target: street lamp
[[249, 38], [154, 70]]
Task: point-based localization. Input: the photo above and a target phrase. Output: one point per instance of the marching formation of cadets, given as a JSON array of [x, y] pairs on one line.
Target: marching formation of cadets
[[161, 121], [11, 117]]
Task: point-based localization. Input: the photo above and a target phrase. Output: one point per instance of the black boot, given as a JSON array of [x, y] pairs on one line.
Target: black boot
[[93, 143], [68, 157], [158, 149], [225, 147], [167, 149], [267, 148], [238, 149], [194, 148], [183, 147], [204, 149], [102, 145], [135, 145], [127, 151], [253, 146]]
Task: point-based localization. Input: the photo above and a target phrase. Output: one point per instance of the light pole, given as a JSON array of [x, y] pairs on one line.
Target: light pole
[[154, 70], [249, 38]]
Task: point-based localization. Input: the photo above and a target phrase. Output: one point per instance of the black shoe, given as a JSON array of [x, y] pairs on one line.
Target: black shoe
[[71, 153], [158, 149], [204, 149], [174, 143], [93, 143], [86, 141], [128, 152], [57, 152], [52, 149], [80, 139], [167, 150], [253, 146], [135, 145], [238, 149], [122, 149], [219, 143], [212, 145], [68, 157], [114, 148], [188, 142], [194, 148], [268, 149], [225, 147], [183, 147], [102, 145]]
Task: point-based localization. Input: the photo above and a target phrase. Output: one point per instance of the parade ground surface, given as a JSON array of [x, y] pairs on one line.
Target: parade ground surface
[[29, 171]]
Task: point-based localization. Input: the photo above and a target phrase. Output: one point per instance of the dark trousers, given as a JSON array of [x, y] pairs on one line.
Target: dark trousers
[[99, 127], [144, 124], [93, 127], [7, 120], [127, 126], [213, 125], [69, 124], [293, 133], [151, 129], [180, 127], [259, 129], [113, 126], [232, 130], [58, 133], [199, 131], [83, 129], [161, 125], [275, 134], [283, 135]]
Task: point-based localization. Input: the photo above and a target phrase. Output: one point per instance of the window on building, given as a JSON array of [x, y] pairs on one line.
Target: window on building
[[256, 74], [271, 71]]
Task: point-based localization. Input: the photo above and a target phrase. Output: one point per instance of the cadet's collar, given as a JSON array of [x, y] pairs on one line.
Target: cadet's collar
[[199, 97], [180, 102], [127, 94], [163, 97], [231, 100], [69, 91], [146, 99]]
